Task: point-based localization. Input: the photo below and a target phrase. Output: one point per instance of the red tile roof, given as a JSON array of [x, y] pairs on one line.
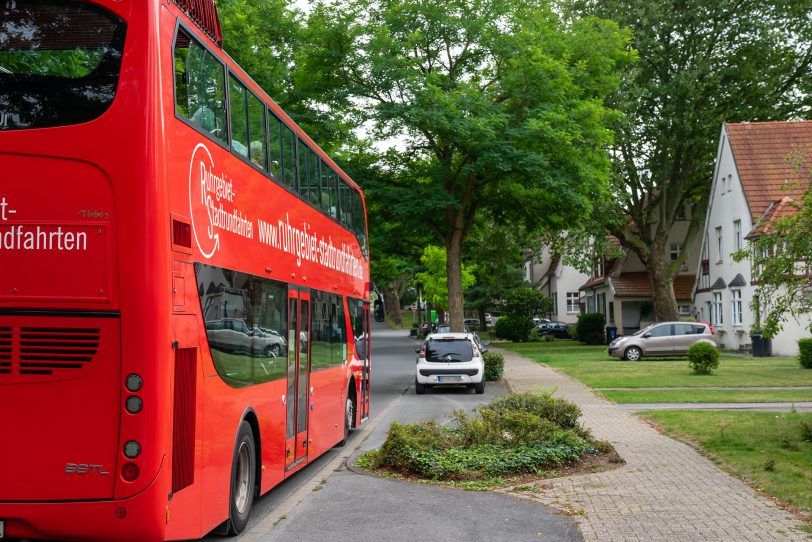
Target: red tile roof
[[766, 155], [553, 265], [786, 206], [638, 285]]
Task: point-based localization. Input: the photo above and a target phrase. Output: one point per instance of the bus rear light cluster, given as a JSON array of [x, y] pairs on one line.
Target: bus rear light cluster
[[130, 472], [134, 382], [132, 449], [134, 404]]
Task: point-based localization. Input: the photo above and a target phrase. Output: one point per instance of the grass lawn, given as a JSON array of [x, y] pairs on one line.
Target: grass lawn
[[594, 367], [706, 396], [768, 449]]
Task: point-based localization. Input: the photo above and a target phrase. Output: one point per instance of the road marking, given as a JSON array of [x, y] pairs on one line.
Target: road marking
[[288, 505]]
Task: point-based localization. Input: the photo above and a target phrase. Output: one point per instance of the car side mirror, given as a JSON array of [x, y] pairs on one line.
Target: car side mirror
[[647, 335]]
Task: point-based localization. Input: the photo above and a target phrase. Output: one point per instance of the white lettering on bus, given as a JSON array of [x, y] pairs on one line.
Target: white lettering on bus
[[18, 238], [309, 247]]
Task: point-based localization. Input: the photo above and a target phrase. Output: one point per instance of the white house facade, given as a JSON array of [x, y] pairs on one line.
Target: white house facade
[[751, 177], [561, 282]]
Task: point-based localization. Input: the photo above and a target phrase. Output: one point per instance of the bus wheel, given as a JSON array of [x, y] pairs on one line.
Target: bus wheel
[[349, 418], [243, 473]]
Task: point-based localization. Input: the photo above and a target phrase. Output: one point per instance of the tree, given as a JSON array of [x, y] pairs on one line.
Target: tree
[[495, 250], [702, 62], [782, 267], [434, 279], [492, 104], [527, 303]]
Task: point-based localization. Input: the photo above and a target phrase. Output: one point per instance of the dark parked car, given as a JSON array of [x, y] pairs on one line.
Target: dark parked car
[[560, 330], [471, 323]]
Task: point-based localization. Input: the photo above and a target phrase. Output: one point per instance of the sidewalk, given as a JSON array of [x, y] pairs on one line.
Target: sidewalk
[[665, 492]]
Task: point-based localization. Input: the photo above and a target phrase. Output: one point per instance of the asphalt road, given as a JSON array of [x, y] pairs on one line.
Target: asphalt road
[[357, 507]]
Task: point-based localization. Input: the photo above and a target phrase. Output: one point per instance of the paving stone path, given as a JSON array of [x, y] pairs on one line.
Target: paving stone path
[[666, 491]]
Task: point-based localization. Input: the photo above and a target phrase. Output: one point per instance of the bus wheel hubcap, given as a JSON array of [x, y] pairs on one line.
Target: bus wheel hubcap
[[350, 413], [243, 478]]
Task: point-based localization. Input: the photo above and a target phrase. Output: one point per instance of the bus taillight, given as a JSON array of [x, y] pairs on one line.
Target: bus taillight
[[129, 472]]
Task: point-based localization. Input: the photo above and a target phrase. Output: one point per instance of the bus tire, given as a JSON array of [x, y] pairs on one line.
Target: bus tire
[[243, 479], [349, 417]]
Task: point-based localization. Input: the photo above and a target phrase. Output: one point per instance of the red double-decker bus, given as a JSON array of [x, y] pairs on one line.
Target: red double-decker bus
[[184, 278]]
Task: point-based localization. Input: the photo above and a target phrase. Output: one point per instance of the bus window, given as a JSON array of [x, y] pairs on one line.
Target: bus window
[[360, 224], [346, 205], [338, 331], [334, 195], [301, 156], [256, 132], [239, 117], [313, 168], [289, 159], [325, 188], [275, 147], [199, 86], [59, 63]]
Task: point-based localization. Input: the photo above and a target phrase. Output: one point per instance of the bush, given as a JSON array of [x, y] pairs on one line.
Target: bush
[[589, 328], [494, 366], [510, 435], [514, 328], [528, 302], [559, 411], [805, 347], [703, 358]]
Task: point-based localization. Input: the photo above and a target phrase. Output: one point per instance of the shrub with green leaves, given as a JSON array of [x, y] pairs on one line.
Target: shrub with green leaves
[[514, 328], [589, 328], [494, 366], [805, 357], [703, 358], [518, 433]]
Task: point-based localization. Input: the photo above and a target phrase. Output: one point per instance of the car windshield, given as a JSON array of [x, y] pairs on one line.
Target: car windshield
[[449, 350], [644, 330]]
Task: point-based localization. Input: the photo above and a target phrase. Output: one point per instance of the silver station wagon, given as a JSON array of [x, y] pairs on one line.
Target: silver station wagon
[[663, 339]]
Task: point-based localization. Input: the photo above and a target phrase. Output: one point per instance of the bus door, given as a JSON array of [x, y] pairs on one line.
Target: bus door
[[363, 403], [298, 376]]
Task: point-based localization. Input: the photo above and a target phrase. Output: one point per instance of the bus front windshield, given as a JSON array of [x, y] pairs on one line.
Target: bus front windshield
[[59, 62]]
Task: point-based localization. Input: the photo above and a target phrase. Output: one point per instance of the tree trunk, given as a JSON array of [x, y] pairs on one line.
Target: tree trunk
[[454, 272], [392, 303], [662, 285]]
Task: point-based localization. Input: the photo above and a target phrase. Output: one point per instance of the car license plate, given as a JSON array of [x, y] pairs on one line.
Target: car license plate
[[448, 379]]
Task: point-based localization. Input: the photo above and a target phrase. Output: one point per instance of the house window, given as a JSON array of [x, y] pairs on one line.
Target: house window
[[598, 269], [572, 303], [611, 312], [719, 241], [681, 213], [736, 296], [729, 182], [601, 308], [676, 250], [684, 310], [724, 185], [555, 303], [717, 315], [737, 232]]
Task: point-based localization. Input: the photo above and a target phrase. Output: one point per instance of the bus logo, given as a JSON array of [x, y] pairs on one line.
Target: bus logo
[[201, 162], [212, 204]]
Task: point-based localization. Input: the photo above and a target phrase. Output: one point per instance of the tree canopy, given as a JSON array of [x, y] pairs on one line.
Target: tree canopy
[[488, 105], [702, 63]]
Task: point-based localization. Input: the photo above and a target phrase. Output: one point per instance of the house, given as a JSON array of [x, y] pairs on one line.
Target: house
[[559, 280], [753, 181], [620, 287]]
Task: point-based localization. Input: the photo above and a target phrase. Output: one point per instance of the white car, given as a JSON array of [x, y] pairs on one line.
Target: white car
[[449, 359]]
